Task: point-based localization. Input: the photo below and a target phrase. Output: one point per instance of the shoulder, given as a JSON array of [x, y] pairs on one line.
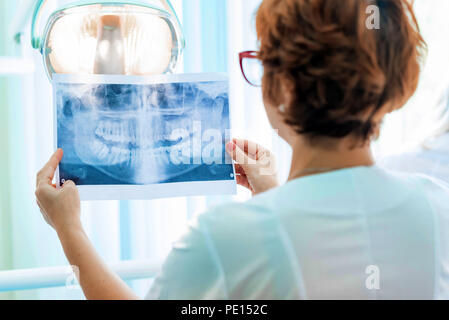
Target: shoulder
[[251, 210], [234, 213], [425, 182], [434, 190], [433, 187]]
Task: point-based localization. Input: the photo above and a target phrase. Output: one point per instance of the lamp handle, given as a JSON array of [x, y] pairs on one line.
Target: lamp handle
[[35, 38], [169, 7]]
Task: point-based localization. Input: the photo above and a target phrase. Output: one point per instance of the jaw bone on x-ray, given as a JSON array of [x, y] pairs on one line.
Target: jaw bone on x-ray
[[128, 137]]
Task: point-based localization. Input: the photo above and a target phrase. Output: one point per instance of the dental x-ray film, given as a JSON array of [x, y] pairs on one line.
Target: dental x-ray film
[[131, 137]]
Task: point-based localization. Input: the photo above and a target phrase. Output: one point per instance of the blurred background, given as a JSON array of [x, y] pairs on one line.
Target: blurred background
[[215, 31]]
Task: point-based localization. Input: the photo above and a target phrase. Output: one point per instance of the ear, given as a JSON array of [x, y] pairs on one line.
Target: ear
[[286, 89], [376, 132]]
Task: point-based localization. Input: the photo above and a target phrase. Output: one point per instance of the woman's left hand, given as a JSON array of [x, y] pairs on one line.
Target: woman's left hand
[[60, 207]]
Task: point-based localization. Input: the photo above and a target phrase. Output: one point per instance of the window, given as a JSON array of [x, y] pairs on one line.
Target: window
[[419, 118]]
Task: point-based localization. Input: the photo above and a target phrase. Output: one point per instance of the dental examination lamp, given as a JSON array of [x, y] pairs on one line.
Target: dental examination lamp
[[107, 37]]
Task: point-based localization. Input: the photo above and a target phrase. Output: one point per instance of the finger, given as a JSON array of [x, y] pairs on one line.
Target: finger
[[45, 190], [241, 177], [241, 157], [68, 183], [251, 148], [237, 154], [243, 181], [48, 171], [239, 169]]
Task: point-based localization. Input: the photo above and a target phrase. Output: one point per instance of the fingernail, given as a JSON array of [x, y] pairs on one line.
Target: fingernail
[[230, 147]]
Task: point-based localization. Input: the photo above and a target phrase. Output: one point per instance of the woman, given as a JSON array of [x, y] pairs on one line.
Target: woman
[[341, 227]]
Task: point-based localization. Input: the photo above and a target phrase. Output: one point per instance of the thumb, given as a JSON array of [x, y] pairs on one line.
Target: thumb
[[68, 184]]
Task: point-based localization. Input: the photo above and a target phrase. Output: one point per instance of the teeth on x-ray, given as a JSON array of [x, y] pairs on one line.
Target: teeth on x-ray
[[139, 134]]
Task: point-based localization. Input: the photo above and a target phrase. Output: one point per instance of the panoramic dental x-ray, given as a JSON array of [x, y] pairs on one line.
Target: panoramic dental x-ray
[[144, 134]]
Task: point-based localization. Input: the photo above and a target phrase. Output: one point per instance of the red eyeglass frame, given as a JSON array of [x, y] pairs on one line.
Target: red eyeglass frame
[[248, 55]]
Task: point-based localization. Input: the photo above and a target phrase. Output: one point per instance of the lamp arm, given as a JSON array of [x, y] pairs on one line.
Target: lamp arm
[[35, 38]]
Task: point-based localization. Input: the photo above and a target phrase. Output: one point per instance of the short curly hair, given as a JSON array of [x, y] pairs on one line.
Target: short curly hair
[[334, 71]]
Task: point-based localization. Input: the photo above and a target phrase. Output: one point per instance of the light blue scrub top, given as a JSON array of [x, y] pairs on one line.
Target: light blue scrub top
[[319, 237]]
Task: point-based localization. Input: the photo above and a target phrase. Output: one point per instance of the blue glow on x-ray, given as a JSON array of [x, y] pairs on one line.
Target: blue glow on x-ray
[[143, 134]]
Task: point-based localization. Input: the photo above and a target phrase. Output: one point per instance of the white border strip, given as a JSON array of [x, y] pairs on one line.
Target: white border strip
[[125, 79], [157, 191]]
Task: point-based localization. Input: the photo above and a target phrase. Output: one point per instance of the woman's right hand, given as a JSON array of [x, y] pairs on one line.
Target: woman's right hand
[[255, 166]]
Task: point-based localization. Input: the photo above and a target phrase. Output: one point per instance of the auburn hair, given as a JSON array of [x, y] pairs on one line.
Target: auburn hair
[[330, 70]]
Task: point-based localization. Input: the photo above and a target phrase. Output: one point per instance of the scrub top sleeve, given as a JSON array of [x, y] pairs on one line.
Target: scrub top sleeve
[[191, 271]]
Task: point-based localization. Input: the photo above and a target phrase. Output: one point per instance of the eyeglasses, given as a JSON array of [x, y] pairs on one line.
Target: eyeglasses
[[252, 68]]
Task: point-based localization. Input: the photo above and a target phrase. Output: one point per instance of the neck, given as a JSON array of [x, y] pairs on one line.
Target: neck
[[309, 159]]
